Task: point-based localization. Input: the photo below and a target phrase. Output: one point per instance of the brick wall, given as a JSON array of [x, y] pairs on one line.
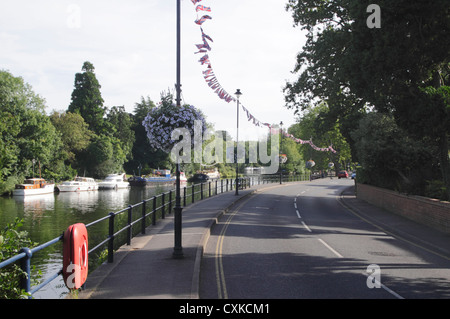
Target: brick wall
[[427, 211]]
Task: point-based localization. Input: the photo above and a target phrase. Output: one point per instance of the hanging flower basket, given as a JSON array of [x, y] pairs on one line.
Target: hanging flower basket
[[162, 121], [310, 164]]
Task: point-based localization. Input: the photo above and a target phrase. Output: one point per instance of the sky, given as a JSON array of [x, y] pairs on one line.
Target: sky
[[132, 45]]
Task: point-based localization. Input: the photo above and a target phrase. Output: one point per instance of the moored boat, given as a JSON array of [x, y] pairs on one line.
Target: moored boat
[[212, 174], [161, 177], [79, 184], [34, 186], [114, 181]]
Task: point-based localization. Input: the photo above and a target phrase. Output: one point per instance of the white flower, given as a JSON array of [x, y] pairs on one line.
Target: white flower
[[161, 121]]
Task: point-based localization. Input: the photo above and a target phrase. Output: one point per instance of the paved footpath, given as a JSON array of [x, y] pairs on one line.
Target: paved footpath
[[146, 268]]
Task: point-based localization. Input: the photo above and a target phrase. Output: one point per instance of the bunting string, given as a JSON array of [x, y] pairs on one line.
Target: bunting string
[[214, 84]]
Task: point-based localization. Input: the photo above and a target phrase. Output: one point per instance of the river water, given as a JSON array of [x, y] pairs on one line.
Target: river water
[[47, 216]]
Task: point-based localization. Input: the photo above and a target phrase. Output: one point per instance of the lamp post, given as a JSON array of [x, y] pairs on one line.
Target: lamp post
[[281, 144], [178, 248], [238, 94]]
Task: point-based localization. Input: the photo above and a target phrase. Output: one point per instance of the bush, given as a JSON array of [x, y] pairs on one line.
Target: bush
[[390, 157], [11, 242], [436, 189]]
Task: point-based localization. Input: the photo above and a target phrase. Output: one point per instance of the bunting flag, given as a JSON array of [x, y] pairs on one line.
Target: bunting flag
[[204, 36], [202, 8], [205, 45], [214, 84], [203, 48], [202, 19], [256, 122]]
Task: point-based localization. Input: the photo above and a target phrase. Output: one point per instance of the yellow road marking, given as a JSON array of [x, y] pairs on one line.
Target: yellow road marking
[[220, 274]]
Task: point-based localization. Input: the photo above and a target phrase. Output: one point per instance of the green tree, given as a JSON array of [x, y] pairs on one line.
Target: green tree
[[295, 162], [142, 154], [390, 157], [75, 134], [87, 99], [121, 124], [392, 69], [27, 134], [103, 156], [315, 124]]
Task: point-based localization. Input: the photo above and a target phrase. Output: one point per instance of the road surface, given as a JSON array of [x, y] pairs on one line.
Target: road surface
[[297, 240]]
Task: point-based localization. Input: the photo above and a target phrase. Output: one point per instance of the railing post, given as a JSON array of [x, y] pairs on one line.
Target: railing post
[[170, 202], [184, 196], [143, 223], [130, 220], [193, 193], [209, 188], [201, 191], [216, 186], [163, 206], [26, 268], [111, 238], [221, 186], [154, 211]]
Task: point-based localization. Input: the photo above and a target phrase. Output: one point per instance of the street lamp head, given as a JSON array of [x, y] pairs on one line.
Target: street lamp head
[[238, 93]]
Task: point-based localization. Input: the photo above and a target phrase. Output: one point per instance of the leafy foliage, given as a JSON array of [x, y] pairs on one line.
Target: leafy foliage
[[389, 157], [400, 69], [12, 240], [26, 133], [87, 99], [315, 124]]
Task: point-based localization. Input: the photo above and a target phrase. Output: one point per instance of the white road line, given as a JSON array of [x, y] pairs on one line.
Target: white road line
[[396, 295], [295, 205], [330, 248], [298, 214], [306, 226]]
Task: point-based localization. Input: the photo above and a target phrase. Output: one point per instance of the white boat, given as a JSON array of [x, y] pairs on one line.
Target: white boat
[[114, 181], [34, 186], [183, 178], [79, 184], [213, 174]]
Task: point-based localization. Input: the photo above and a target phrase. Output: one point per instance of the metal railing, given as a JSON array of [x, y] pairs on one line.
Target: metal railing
[[160, 205]]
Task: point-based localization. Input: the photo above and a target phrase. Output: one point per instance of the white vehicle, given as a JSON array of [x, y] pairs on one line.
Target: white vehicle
[[79, 184], [114, 181]]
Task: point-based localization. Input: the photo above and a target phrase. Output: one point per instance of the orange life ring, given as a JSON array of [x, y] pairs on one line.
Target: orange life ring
[[75, 256]]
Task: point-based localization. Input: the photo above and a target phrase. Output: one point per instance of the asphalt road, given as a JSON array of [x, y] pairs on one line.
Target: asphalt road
[[296, 241]]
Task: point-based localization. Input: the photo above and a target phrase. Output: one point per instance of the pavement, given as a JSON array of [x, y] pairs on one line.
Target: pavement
[[147, 270]]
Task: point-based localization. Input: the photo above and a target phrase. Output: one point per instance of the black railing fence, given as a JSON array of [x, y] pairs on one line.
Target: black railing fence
[[124, 224]]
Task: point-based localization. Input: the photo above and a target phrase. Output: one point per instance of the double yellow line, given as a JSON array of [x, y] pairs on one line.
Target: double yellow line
[[220, 274]]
